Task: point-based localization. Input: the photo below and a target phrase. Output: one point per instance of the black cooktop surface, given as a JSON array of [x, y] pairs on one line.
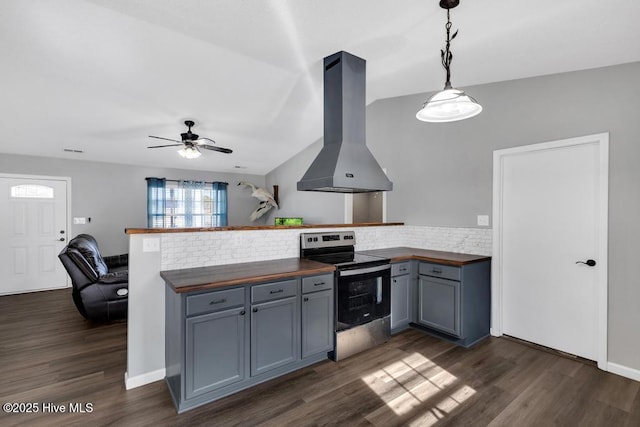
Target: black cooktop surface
[[348, 259]]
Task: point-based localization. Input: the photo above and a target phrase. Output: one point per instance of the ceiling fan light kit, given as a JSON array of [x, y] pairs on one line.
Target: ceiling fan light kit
[[189, 152], [191, 143], [450, 104]]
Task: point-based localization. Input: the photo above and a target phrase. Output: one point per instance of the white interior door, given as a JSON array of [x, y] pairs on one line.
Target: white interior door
[[33, 230], [550, 208]]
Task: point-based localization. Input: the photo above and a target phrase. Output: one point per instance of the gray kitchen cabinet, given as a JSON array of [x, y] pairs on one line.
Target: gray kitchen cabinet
[[454, 302], [215, 346], [275, 329], [222, 341], [401, 296], [317, 315], [439, 304]]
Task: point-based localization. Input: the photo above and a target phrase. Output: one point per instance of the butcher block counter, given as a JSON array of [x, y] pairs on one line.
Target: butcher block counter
[[219, 276], [405, 254]]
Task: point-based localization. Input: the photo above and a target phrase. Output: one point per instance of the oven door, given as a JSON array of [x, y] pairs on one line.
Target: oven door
[[363, 294]]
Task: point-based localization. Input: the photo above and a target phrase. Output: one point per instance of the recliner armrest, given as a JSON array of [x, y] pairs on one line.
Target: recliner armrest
[[115, 261], [114, 277]]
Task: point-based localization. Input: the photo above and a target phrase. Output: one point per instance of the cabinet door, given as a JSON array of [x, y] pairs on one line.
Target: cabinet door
[[275, 329], [214, 351], [439, 304], [317, 323], [400, 301]]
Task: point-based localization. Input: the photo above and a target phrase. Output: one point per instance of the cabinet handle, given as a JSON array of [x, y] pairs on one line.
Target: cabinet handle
[[242, 313], [318, 284], [218, 301], [255, 309], [395, 281], [279, 291], [306, 299], [436, 270]]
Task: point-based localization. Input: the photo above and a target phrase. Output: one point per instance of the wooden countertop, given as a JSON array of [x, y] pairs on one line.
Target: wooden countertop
[[441, 257], [203, 278], [220, 276], [255, 227]]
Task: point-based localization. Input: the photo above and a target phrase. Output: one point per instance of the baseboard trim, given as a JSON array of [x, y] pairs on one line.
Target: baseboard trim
[[623, 371], [140, 380]]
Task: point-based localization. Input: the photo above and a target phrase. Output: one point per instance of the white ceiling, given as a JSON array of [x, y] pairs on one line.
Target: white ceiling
[[101, 75]]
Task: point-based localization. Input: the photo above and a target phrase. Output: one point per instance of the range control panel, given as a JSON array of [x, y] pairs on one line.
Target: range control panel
[[327, 240]]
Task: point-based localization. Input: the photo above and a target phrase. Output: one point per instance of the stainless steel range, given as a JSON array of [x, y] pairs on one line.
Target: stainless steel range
[[363, 291]]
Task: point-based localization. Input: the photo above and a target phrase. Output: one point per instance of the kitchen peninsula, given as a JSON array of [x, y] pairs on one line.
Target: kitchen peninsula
[[153, 251]]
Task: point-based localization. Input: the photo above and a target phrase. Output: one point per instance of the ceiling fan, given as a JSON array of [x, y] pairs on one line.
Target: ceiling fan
[[191, 143]]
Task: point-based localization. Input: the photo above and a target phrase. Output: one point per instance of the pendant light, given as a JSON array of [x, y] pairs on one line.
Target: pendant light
[[450, 104]]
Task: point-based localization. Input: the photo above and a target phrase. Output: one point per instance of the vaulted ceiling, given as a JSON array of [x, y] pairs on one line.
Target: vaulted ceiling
[[99, 76]]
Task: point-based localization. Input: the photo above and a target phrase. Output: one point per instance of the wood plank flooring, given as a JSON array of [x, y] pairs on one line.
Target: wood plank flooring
[[49, 354]]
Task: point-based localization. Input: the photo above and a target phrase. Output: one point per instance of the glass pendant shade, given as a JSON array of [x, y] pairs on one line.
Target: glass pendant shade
[[449, 105], [189, 152]]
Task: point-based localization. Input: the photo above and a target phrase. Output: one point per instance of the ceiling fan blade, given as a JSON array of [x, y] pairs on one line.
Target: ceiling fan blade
[[168, 145], [214, 148], [198, 141], [166, 139]]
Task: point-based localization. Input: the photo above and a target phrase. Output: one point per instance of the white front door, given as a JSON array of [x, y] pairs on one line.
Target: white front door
[[550, 213], [33, 230]]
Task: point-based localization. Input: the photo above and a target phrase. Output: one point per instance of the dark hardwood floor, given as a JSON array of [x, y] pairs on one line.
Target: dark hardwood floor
[[50, 355]]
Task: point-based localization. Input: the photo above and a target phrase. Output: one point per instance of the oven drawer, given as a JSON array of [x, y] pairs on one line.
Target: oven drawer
[[400, 268], [440, 270], [272, 291], [215, 301], [317, 283]]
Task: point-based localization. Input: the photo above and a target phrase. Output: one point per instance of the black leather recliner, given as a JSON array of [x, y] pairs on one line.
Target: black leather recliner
[[100, 285]]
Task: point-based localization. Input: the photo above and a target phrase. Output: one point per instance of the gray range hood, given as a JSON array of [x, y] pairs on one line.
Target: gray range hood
[[345, 164]]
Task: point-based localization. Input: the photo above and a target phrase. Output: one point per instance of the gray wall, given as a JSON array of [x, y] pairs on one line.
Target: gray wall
[[442, 173], [314, 207], [367, 207], [115, 196]]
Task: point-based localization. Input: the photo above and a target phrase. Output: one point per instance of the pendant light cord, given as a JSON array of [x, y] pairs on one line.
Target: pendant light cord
[[446, 54]]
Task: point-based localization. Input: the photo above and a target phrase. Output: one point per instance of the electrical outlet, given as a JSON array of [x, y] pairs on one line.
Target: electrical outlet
[[151, 245], [483, 220]]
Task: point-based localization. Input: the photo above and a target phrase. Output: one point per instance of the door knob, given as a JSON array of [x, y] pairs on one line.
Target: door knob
[[589, 262]]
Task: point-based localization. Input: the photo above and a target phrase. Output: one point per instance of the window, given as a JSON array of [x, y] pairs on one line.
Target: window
[[31, 191], [183, 204]]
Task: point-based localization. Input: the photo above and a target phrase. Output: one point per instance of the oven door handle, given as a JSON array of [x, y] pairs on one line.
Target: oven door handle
[[355, 272]]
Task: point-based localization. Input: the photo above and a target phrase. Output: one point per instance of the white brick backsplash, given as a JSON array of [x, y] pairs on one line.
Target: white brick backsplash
[[202, 249]]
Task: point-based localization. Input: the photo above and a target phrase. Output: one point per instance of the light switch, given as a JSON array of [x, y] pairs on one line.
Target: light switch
[[483, 220], [151, 245], [79, 220]]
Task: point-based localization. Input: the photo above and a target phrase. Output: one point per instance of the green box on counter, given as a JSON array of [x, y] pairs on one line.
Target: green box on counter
[[288, 221]]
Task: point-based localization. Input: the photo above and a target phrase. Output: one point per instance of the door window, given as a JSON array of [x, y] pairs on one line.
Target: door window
[[31, 191]]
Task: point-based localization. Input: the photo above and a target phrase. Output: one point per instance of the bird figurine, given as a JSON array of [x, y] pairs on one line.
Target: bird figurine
[[267, 202]]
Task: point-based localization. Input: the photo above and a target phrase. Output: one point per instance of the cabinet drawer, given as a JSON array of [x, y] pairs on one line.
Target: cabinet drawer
[[400, 268], [272, 291], [214, 301], [317, 283], [439, 270]]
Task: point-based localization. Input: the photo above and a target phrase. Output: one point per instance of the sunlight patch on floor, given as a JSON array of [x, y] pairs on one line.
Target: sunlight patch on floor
[[407, 383]]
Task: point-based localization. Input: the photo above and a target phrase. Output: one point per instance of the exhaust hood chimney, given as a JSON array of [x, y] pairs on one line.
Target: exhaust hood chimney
[[345, 164]]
